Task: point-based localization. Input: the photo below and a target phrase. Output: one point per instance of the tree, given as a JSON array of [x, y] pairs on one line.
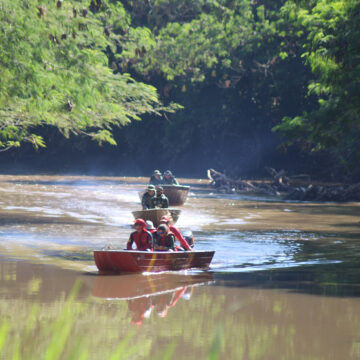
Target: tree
[[54, 72], [332, 51], [229, 64]]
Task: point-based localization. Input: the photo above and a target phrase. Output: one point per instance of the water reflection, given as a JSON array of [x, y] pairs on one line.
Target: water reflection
[[145, 293], [257, 315]]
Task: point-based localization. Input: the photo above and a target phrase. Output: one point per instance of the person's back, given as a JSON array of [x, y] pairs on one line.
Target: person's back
[[148, 199], [169, 178]]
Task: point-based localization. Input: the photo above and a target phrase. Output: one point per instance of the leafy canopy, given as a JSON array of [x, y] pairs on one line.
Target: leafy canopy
[[332, 51], [54, 71]]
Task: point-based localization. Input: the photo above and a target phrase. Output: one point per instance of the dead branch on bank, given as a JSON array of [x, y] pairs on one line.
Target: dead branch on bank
[[298, 187]]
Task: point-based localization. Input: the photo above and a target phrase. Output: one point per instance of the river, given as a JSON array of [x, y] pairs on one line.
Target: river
[[284, 282]]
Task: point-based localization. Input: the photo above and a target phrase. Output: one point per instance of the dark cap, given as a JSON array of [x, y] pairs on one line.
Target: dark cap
[[162, 227]]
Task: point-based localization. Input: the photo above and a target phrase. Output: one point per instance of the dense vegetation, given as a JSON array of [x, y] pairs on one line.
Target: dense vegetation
[[262, 82]]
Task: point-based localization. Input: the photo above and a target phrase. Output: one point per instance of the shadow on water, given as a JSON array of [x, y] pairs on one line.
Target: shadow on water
[[340, 280], [320, 208], [345, 225]]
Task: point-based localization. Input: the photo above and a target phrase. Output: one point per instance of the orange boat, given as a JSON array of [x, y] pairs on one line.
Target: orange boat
[[125, 261]]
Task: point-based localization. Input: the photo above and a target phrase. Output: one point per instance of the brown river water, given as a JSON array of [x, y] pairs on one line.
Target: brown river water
[[284, 282]]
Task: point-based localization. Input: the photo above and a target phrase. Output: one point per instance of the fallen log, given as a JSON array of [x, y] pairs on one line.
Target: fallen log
[[224, 183], [280, 184]]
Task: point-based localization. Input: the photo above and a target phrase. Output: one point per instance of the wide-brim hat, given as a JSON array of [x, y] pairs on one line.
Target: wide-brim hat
[[157, 172], [150, 225], [151, 187]]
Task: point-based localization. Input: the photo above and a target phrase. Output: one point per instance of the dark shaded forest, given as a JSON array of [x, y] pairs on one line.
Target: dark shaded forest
[[232, 85]]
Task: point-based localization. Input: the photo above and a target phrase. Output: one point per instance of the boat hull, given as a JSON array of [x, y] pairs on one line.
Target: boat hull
[[124, 261], [155, 215], [177, 194]]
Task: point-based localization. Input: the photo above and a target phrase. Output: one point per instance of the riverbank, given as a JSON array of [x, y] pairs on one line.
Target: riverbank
[[298, 188]]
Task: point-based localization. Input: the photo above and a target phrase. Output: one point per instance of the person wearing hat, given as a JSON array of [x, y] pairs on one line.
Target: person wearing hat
[[169, 178], [161, 201], [148, 199], [156, 178], [141, 237], [150, 227], [163, 239], [184, 244]]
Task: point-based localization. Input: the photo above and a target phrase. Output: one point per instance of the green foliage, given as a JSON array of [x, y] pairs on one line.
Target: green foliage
[[239, 68], [331, 50], [219, 40], [228, 63], [54, 71]]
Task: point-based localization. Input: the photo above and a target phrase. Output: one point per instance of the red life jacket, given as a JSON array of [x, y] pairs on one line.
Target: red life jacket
[[166, 240], [143, 240]]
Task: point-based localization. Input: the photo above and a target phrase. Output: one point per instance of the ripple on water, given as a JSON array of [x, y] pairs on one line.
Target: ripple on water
[[93, 214]]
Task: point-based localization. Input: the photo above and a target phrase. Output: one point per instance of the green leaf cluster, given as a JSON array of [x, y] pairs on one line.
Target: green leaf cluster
[[331, 49], [55, 71]]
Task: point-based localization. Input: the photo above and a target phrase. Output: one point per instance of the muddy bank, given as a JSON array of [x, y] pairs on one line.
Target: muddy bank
[[300, 187]]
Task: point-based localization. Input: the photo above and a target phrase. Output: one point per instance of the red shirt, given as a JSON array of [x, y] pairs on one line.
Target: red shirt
[[178, 235]]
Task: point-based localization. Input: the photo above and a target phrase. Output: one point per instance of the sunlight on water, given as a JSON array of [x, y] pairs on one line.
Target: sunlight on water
[[247, 232]]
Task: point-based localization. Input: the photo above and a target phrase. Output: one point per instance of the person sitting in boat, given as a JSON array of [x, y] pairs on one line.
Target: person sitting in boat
[[161, 201], [156, 178], [148, 199], [169, 178], [184, 244], [163, 239], [150, 227], [141, 237]]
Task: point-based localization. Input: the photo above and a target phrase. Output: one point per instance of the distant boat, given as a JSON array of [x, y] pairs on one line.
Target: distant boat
[[125, 261], [177, 194], [155, 215]]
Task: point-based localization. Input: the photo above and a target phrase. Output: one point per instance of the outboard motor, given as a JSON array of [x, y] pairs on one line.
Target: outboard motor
[[189, 237]]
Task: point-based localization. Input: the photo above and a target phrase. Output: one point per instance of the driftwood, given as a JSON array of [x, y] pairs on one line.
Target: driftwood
[[226, 184], [291, 188]]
